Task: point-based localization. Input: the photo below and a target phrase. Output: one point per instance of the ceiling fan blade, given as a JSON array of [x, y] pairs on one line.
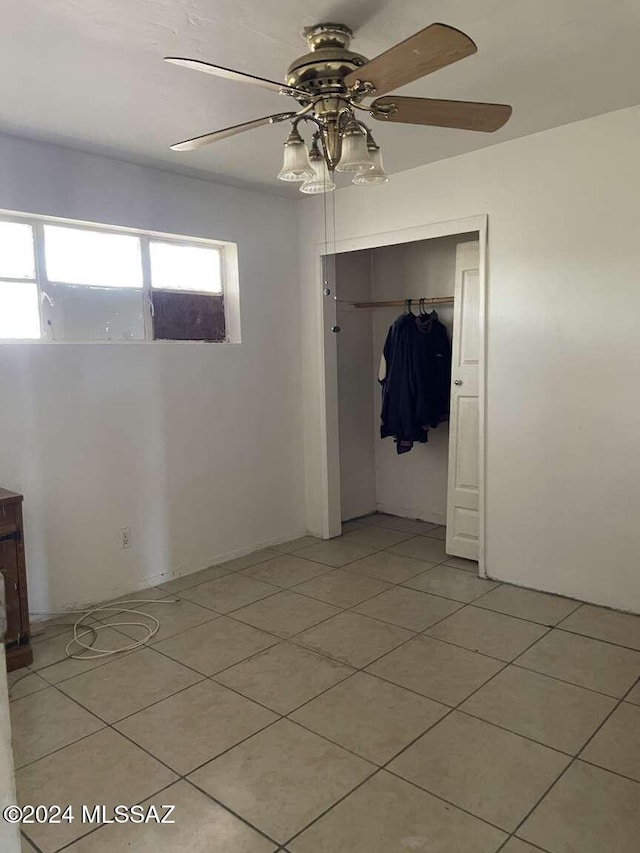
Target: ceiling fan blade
[[238, 76], [206, 138], [466, 115], [422, 53]]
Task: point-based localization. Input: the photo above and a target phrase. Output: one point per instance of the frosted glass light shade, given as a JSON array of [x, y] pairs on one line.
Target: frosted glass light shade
[[296, 165], [322, 181], [377, 175], [355, 156]]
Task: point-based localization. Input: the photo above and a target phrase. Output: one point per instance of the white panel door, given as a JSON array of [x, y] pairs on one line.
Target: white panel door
[[463, 522]]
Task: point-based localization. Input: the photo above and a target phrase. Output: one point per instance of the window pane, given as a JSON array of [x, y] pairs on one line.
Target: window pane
[[19, 314], [178, 267], [94, 314], [16, 250], [97, 258]]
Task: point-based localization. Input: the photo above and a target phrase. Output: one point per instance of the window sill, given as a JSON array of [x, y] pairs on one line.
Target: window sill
[[29, 341]]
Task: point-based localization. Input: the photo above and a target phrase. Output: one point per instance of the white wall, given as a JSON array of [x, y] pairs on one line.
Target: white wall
[[355, 390], [563, 421], [197, 447]]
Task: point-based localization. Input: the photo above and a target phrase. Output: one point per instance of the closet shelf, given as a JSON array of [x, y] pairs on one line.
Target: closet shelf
[[436, 300]]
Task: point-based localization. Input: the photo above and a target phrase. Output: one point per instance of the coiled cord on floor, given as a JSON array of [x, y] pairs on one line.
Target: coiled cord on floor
[[152, 629], [89, 651]]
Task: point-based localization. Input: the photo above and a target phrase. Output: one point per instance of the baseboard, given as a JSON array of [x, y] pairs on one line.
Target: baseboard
[[544, 589], [412, 512], [163, 577], [222, 558]]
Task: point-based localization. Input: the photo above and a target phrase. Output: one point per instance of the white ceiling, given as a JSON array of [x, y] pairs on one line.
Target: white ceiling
[[88, 73]]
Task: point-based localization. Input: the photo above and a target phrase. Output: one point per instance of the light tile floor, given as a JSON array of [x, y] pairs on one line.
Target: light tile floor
[[363, 695]]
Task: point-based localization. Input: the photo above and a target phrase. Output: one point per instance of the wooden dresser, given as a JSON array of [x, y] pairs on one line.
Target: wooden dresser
[[12, 566]]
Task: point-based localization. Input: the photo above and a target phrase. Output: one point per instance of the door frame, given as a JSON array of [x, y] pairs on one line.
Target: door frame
[[329, 427]]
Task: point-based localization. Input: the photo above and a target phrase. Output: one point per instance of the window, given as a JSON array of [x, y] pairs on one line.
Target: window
[[19, 313], [94, 285], [176, 267], [97, 258], [62, 281], [187, 298]]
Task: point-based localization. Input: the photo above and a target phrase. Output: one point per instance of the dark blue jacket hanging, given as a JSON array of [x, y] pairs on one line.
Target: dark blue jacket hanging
[[415, 374]]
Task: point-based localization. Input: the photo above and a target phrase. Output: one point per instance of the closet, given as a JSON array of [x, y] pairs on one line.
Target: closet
[[422, 483]]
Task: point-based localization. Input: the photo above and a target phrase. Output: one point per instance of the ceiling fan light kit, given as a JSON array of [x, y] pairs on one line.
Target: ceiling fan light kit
[[330, 84], [295, 165], [322, 181], [377, 174], [354, 156]]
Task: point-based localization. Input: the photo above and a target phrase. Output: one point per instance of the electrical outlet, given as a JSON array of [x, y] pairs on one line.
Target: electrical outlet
[[125, 537]]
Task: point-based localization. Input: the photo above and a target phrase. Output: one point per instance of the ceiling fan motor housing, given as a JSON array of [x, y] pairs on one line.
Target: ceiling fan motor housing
[[322, 71]]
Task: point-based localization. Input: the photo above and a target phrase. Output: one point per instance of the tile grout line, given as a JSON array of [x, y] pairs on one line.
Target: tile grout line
[[266, 707], [498, 725], [432, 565], [283, 589], [562, 680], [105, 724], [179, 776], [356, 669], [384, 767], [102, 826], [177, 594], [523, 589], [230, 613], [281, 717], [313, 651], [120, 655], [107, 660], [607, 769], [457, 708], [352, 609], [466, 698], [574, 759], [361, 670], [533, 846], [333, 805], [342, 609], [235, 814], [97, 828], [32, 843], [449, 710], [364, 668], [599, 639], [379, 767], [345, 610]]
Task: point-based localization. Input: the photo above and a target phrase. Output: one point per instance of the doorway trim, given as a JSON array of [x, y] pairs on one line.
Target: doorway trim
[[330, 485]]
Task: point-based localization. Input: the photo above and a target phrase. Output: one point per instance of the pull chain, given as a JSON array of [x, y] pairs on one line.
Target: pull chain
[[332, 277]]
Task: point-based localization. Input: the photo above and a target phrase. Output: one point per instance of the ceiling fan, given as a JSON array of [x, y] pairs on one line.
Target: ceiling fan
[[331, 83]]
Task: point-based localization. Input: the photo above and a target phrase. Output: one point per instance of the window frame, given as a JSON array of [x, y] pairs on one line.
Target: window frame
[[228, 277]]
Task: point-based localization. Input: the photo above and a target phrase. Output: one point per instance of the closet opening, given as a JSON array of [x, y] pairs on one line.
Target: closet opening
[[431, 292]]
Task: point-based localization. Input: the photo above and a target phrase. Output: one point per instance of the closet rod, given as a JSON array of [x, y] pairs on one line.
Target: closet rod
[[436, 300]]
